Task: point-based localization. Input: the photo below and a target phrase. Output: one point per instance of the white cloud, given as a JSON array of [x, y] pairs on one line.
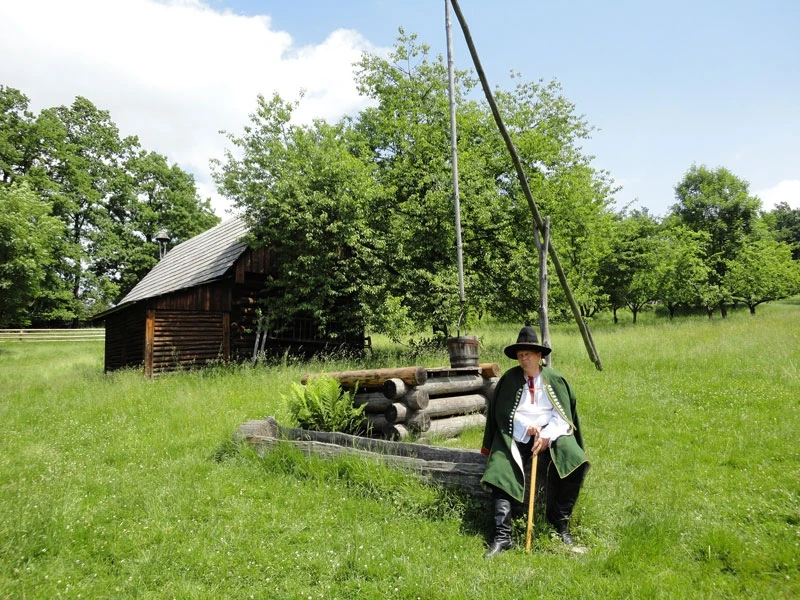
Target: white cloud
[[787, 191], [172, 72]]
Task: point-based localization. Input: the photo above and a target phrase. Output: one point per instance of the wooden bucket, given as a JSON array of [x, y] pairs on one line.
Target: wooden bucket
[[463, 351]]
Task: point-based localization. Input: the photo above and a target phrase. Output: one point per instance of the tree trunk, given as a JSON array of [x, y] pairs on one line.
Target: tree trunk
[[437, 386], [377, 402], [451, 426], [456, 405], [416, 420], [374, 378]]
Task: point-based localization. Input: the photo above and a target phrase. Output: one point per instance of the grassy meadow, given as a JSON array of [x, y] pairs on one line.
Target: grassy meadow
[[114, 486]]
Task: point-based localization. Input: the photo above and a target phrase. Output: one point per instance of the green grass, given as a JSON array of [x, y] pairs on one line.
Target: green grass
[[113, 486]]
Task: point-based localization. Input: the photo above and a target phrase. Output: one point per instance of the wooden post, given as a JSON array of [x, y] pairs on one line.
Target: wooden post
[[537, 217], [544, 319], [149, 341], [454, 158]]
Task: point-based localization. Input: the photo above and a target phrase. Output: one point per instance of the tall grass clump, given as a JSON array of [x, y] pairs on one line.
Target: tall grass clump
[[115, 486]]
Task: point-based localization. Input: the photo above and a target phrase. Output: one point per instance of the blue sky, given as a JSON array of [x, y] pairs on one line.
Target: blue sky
[[667, 85]]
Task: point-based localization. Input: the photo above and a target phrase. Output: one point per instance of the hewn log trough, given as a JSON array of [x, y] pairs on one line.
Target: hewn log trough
[[452, 468]]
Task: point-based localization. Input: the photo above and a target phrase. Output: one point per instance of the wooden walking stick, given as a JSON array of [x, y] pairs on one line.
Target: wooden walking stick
[[531, 497]]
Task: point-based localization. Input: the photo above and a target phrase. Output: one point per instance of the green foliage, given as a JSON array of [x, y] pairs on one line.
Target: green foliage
[[359, 216], [763, 271], [307, 198], [719, 203], [786, 226], [110, 195], [322, 405], [28, 236]]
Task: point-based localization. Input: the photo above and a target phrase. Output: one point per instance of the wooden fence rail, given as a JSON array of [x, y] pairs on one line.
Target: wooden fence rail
[[89, 334]]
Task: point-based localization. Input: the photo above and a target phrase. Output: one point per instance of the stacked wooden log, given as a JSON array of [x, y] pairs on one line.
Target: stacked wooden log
[[409, 401]]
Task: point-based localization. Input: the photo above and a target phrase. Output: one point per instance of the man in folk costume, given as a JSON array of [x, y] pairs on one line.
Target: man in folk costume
[[532, 411]]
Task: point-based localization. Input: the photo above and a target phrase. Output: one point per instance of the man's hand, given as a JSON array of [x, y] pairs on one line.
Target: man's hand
[[540, 443]]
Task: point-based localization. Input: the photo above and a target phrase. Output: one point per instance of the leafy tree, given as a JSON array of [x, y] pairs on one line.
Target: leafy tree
[[787, 227], [111, 195], [406, 135], [386, 173], [627, 272], [28, 235], [308, 199], [763, 271], [407, 132], [680, 269], [719, 203], [15, 127], [150, 196], [548, 134]]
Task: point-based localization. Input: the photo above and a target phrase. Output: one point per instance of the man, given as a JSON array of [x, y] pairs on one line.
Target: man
[[532, 411]]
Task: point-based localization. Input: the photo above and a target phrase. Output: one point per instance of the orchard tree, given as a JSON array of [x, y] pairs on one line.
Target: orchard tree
[[407, 132], [627, 272], [786, 226], [680, 269], [406, 136], [762, 272], [719, 203], [548, 134]]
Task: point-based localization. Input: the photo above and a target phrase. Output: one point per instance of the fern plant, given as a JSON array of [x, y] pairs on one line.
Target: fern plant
[[322, 405]]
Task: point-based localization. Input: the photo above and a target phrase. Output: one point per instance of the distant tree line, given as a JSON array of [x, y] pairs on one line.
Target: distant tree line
[[359, 215], [79, 210]]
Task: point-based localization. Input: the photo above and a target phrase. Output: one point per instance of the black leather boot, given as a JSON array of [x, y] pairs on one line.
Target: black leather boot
[[562, 527], [565, 498], [502, 528]]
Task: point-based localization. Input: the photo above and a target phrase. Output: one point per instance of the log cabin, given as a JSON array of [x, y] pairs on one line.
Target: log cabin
[[198, 305]]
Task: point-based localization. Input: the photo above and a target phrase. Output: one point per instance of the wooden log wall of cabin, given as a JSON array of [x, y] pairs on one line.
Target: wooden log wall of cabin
[[537, 217]]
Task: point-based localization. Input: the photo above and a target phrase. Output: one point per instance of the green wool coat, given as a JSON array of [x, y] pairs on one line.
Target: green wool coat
[[503, 467]]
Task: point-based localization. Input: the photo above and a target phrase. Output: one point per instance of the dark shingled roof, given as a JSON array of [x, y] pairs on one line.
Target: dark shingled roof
[[200, 259]]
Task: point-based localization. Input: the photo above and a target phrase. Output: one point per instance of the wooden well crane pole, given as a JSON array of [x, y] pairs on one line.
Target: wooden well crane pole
[[454, 161], [537, 217]]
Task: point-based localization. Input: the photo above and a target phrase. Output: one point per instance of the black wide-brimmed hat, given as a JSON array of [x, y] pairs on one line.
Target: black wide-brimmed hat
[[526, 340]]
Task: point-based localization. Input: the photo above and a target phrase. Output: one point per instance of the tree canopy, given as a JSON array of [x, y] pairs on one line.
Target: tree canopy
[[388, 170], [109, 195]]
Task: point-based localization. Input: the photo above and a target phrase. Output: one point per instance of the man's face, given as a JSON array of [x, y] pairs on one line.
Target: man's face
[[528, 359]]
